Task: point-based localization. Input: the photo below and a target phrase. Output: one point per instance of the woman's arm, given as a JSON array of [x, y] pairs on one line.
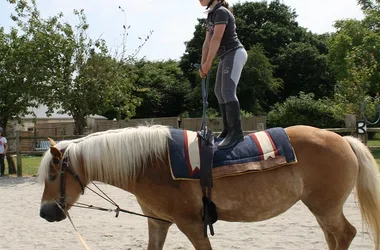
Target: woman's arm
[[205, 47], [213, 46]]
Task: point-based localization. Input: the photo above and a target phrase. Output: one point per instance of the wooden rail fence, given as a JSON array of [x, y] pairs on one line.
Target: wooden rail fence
[[19, 152]]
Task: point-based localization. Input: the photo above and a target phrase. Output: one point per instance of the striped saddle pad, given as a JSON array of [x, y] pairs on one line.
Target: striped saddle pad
[[259, 151]]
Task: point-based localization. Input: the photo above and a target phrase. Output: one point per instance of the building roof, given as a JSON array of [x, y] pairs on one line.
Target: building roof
[[40, 113]]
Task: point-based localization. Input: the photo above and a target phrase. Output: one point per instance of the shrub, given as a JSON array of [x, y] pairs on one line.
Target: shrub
[[304, 110]]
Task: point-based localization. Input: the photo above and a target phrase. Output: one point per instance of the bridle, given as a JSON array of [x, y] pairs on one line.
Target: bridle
[[65, 167]]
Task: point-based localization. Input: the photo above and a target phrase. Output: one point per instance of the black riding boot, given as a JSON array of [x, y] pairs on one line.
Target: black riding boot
[[235, 131], [222, 108]]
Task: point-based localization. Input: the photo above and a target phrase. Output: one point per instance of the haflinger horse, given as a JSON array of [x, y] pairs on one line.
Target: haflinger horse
[[136, 159]]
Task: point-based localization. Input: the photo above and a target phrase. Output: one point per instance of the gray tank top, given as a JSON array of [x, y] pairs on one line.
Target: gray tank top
[[230, 40]]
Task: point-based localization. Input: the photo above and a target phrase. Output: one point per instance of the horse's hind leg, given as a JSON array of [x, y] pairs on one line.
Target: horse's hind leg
[[330, 239], [336, 225]]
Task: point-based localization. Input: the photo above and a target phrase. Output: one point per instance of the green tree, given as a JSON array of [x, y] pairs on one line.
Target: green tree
[[302, 67], [193, 53], [353, 89], [103, 84], [273, 25], [163, 88], [17, 92], [354, 56], [26, 62], [81, 79], [304, 109], [295, 57], [257, 82], [93, 81], [368, 4]]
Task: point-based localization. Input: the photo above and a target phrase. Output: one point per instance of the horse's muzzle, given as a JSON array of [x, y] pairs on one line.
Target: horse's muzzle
[[51, 212]]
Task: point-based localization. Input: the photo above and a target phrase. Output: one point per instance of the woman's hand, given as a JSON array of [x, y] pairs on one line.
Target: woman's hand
[[202, 75], [206, 66]]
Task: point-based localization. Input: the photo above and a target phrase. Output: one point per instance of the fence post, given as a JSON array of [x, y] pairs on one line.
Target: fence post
[[18, 153]]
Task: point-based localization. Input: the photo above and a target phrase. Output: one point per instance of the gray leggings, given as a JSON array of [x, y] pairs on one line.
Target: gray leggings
[[228, 75]]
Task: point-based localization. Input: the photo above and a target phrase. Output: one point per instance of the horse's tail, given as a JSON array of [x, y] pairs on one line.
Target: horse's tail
[[367, 187]]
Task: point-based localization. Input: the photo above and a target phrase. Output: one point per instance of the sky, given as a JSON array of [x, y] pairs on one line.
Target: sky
[[172, 21]]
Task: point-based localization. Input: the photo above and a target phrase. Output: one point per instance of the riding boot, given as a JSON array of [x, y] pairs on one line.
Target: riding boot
[[222, 108], [235, 131]]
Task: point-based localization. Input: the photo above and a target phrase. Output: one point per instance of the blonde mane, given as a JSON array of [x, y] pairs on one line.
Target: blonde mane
[[116, 156]]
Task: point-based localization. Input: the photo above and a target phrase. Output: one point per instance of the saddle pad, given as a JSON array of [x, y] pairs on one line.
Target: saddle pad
[[259, 151]]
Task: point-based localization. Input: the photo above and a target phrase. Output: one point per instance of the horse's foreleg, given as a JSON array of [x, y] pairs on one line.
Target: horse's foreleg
[[194, 232], [158, 230], [157, 234]]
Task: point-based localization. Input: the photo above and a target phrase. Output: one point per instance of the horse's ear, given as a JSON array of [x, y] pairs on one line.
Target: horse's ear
[[52, 142], [55, 152]]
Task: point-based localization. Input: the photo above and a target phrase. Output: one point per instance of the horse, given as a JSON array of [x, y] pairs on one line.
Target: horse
[[135, 159]]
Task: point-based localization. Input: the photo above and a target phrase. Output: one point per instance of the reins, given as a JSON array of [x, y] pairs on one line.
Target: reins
[[117, 210], [62, 204]]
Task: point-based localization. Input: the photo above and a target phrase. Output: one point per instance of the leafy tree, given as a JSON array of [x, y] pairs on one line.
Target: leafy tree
[[302, 67], [26, 62], [273, 25], [193, 53], [368, 4], [94, 82], [353, 89], [16, 92], [304, 110], [81, 79], [354, 56], [102, 84], [162, 88], [294, 57], [257, 82]]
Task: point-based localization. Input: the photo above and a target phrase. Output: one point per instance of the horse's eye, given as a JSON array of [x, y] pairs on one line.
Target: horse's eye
[[52, 177], [55, 161]]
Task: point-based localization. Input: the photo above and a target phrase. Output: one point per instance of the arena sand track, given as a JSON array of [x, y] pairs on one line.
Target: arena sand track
[[22, 228]]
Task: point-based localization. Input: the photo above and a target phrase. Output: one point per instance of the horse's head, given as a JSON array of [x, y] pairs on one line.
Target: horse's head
[[63, 184]]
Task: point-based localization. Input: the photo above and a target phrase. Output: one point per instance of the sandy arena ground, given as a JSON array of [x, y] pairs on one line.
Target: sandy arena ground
[[22, 228]]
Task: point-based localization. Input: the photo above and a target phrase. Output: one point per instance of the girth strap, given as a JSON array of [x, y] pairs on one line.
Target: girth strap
[[207, 154], [206, 137]]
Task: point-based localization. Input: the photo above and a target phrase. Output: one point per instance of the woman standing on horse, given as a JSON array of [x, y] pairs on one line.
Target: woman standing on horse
[[222, 41]]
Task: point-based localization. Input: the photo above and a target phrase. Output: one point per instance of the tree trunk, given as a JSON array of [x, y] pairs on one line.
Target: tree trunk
[[80, 123]]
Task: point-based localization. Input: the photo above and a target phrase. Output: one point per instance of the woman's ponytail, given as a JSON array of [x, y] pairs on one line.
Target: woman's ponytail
[[225, 4]]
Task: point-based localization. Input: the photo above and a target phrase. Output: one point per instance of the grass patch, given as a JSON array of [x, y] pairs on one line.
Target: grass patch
[[376, 154], [373, 143], [30, 164]]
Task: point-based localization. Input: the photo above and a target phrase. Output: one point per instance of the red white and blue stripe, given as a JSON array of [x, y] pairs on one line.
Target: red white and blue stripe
[[184, 151]]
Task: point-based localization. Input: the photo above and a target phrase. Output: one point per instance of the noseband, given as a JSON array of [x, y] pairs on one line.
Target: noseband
[[65, 166]]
